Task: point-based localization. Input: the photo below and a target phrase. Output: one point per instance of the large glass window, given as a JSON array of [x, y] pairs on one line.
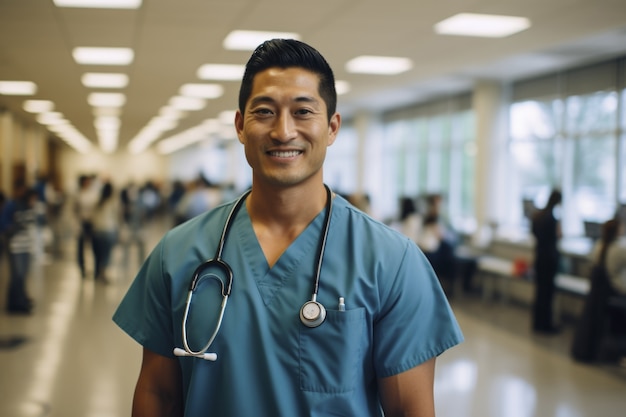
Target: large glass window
[[535, 153], [591, 127], [462, 171], [341, 164], [431, 150], [570, 141]]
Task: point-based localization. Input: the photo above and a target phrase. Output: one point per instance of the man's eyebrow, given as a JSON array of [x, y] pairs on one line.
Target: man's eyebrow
[[261, 99], [267, 99]]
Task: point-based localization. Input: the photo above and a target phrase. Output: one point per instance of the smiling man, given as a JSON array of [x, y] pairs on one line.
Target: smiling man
[[330, 313]]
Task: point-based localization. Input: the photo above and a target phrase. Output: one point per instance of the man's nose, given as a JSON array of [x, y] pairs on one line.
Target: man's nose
[[285, 127]]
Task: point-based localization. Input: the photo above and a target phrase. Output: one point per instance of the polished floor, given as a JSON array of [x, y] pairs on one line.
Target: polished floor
[[68, 359]]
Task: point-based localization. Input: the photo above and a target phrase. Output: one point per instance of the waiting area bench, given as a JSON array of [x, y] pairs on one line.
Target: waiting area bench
[[497, 274]]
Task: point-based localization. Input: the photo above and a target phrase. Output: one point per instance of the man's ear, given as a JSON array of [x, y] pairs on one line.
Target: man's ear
[[333, 128], [239, 125]]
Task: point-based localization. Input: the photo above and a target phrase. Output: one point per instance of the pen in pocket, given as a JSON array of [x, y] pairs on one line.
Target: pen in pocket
[[342, 305]]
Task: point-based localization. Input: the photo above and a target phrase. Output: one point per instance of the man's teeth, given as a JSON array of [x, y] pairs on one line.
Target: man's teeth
[[285, 154]]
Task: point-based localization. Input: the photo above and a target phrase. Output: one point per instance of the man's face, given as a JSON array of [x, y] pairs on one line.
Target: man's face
[[285, 130]]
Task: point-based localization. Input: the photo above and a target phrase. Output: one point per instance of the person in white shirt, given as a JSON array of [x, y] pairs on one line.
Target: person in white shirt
[[107, 216], [86, 200]]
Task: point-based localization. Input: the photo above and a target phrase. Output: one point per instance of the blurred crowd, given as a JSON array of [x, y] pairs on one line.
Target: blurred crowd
[[39, 221]]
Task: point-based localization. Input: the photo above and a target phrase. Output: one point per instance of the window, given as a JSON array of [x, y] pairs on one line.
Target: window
[[572, 138], [536, 154], [340, 167], [431, 149]]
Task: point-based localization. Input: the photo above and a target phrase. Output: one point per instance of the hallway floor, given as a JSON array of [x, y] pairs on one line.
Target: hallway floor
[[68, 359]]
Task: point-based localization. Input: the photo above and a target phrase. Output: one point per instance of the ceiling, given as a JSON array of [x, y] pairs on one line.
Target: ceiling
[[173, 38]]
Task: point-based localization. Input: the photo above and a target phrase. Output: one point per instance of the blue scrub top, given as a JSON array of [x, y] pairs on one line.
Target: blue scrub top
[[269, 363]]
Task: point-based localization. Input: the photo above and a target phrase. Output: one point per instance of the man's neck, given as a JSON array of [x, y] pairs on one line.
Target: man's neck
[[279, 216]]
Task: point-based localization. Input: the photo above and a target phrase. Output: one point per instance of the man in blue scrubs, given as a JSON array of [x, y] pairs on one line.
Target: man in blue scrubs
[[360, 341]]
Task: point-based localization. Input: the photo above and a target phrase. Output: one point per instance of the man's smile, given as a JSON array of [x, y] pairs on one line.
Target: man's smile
[[285, 154]]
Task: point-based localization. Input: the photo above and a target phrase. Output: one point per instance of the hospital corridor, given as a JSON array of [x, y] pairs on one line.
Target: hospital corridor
[[68, 359], [454, 173]]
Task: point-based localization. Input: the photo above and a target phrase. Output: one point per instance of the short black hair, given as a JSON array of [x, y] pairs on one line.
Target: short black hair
[[287, 53]]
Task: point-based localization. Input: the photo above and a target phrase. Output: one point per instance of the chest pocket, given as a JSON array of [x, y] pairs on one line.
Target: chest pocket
[[331, 353]]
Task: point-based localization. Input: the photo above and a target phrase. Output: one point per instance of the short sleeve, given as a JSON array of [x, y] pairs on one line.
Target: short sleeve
[[145, 311], [416, 322]]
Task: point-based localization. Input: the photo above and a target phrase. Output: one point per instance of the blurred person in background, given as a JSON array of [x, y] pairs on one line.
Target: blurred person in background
[[546, 230], [107, 217], [84, 204], [18, 223]]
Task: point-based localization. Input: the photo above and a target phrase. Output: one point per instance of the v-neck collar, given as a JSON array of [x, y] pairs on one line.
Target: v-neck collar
[[299, 256]]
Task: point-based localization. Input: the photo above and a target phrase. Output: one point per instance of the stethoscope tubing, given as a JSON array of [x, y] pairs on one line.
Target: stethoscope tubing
[[226, 289]]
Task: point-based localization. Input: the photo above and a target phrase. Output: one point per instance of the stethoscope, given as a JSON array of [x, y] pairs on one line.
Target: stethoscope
[[312, 313]]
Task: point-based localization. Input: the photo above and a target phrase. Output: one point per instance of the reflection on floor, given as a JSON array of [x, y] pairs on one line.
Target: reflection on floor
[[68, 359]]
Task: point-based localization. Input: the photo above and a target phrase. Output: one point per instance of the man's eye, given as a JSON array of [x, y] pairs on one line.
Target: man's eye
[[262, 112], [303, 111]]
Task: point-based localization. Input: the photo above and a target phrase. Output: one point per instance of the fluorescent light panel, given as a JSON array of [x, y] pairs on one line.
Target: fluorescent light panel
[[187, 103], [162, 124], [248, 40], [107, 140], [51, 118], [104, 80], [221, 72], [99, 4], [170, 113], [482, 25], [106, 99], [107, 123], [103, 55], [18, 88], [227, 116], [207, 91], [38, 106], [380, 65], [342, 87]]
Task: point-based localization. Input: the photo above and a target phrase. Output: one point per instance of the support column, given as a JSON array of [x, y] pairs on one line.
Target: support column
[[362, 128], [489, 102], [6, 152]]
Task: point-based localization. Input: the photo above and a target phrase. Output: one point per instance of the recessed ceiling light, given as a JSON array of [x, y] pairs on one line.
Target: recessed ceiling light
[[170, 113], [162, 124], [211, 125], [383, 65], [248, 40], [51, 118], [104, 80], [18, 88], [341, 87], [107, 123], [103, 56], [202, 90], [222, 72], [187, 103], [106, 99], [227, 117], [483, 25], [108, 140], [99, 4], [60, 128], [38, 106]]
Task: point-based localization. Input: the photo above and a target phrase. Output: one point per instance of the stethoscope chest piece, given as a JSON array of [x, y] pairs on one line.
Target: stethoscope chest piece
[[312, 313]]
